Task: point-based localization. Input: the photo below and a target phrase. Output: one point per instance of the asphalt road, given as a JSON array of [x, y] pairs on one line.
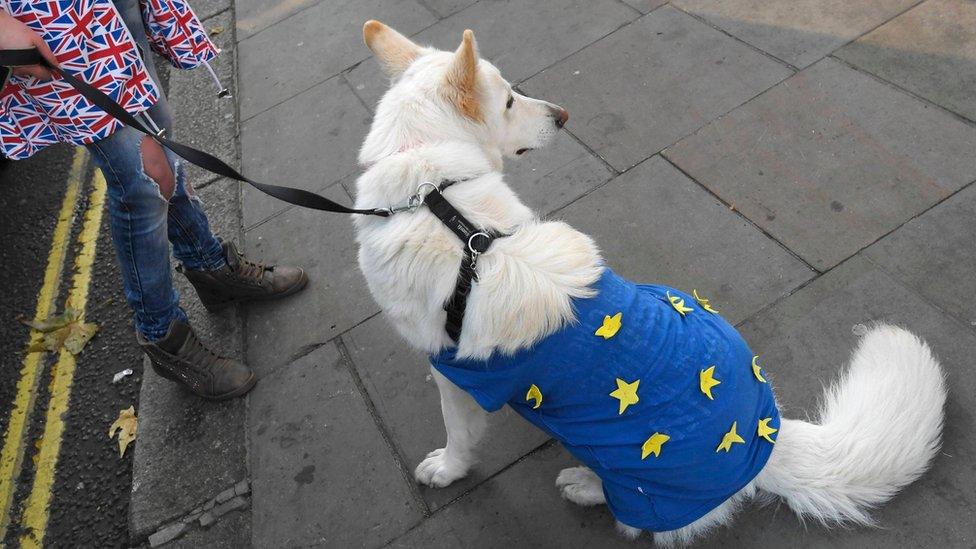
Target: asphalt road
[[91, 486]]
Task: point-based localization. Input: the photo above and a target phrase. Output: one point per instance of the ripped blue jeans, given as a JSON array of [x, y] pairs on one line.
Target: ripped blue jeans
[[143, 222]]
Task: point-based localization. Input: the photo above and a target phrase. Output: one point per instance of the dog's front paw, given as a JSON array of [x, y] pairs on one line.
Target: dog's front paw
[[439, 470], [581, 486]]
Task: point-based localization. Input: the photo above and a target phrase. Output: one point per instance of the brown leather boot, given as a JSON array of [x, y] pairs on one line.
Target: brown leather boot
[[244, 280], [183, 358]]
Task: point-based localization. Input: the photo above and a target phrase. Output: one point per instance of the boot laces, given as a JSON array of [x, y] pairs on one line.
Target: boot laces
[[200, 356], [250, 270]]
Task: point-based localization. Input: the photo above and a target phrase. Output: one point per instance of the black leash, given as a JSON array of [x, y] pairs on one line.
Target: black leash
[[298, 197], [476, 241]]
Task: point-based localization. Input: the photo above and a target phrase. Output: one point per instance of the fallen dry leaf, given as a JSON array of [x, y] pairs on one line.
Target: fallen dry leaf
[[52, 323], [216, 30], [127, 424], [79, 334], [65, 330]]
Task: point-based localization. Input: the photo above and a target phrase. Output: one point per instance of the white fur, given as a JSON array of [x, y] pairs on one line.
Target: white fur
[[581, 486], [880, 424], [465, 423]]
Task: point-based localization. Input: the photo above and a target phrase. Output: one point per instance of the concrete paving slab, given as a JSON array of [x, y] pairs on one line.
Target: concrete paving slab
[[368, 82], [206, 9], [254, 16], [200, 118], [656, 226], [445, 8], [550, 178], [807, 339], [653, 82], [178, 434], [831, 160], [311, 142], [646, 6], [322, 473], [314, 45], [520, 45], [400, 385], [519, 508], [930, 50], [259, 207], [799, 32], [934, 254], [522, 37], [335, 300]]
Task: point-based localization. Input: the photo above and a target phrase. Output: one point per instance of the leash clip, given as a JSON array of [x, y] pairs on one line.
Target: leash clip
[[415, 201], [411, 204]]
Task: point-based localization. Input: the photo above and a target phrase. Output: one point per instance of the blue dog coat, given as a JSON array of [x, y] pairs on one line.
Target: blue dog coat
[[668, 406]]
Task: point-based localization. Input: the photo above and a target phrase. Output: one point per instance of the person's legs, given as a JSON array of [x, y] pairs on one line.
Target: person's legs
[[138, 222], [151, 206], [140, 193]]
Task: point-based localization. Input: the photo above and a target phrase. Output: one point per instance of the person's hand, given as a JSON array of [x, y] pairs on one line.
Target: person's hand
[[15, 35]]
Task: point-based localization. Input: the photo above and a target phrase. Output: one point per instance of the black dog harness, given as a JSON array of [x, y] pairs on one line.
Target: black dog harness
[[476, 241]]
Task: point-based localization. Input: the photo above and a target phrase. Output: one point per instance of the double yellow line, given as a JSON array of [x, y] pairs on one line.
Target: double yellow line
[[12, 455]]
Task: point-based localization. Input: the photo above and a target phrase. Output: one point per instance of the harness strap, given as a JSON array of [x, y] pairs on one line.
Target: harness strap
[[298, 197], [476, 242]]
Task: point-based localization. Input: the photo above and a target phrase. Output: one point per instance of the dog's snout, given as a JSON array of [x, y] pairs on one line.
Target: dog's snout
[[560, 115]]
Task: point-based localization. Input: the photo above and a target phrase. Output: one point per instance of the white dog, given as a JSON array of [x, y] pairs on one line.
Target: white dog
[[451, 116]]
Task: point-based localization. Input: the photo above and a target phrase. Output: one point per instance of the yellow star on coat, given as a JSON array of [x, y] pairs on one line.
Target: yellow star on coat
[[653, 445], [756, 369], [534, 393], [703, 302], [678, 303], [765, 430], [611, 325], [626, 393], [706, 380], [729, 439]]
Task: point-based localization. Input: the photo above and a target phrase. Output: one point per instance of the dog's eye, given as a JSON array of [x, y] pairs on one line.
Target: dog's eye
[[511, 101]]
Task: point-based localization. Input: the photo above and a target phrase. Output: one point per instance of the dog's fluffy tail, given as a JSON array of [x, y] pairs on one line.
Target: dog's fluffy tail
[[880, 426]]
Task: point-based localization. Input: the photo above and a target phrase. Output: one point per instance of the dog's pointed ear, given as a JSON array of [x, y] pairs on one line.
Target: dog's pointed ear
[[393, 50], [462, 78]]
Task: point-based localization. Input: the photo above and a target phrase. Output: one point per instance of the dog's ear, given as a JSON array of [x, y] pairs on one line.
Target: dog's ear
[[462, 78], [393, 50]]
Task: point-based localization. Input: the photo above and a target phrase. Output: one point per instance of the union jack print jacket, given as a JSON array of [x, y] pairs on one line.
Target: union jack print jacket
[[91, 41]]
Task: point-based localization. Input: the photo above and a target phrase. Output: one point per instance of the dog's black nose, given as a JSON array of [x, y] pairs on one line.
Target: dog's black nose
[[561, 117]]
